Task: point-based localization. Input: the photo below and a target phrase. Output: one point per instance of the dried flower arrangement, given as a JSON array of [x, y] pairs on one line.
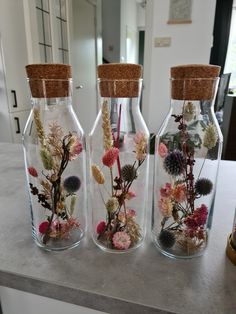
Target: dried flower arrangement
[[119, 230], [56, 195], [183, 223]]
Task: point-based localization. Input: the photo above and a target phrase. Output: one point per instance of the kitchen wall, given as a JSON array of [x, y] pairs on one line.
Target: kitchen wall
[[190, 43]]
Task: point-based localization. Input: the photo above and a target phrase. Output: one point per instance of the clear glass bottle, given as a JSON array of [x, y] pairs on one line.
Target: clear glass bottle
[[55, 159], [231, 243], [119, 160], [187, 155]]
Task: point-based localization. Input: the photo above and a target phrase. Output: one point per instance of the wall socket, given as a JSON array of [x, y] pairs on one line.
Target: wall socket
[[162, 42]]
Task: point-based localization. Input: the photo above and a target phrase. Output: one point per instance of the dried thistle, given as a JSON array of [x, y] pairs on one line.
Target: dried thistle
[[39, 127], [112, 204], [106, 126]]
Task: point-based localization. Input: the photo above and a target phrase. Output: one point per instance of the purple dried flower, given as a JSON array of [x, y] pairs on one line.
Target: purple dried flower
[[72, 184], [174, 163]]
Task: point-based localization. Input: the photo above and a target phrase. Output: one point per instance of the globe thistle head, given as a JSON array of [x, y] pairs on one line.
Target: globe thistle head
[[112, 204], [166, 238], [174, 163], [203, 186], [72, 184], [128, 173]]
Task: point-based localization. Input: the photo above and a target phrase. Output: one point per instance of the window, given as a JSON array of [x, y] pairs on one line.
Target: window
[[44, 30], [61, 25], [52, 29]]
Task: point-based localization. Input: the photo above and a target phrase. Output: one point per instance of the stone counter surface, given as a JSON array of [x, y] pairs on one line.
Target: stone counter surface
[[142, 281]]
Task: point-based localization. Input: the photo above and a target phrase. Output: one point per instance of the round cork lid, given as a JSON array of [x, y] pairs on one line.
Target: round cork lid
[[195, 71], [119, 79], [48, 71], [194, 81], [49, 80], [120, 71]]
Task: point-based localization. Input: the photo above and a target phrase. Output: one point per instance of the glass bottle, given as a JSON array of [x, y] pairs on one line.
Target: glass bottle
[[119, 160], [55, 159], [231, 243], [187, 154]]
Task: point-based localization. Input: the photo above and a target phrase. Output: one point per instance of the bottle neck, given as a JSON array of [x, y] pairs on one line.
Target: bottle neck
[[124, 113], [194, 108], [52, 102]]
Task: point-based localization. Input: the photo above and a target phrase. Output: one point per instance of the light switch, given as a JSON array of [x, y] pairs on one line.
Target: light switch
[[162, 42]]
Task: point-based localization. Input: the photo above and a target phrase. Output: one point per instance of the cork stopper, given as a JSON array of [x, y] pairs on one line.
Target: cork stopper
[[49, 80], [194, 81], [230, 250], [119, 79]]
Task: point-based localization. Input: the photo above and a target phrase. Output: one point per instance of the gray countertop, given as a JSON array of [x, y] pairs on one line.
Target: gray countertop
[[142, 281]]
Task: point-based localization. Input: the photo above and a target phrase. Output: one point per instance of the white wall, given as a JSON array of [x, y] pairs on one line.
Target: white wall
[[5, 128], [140, 17], [190, 43], [111, 30]]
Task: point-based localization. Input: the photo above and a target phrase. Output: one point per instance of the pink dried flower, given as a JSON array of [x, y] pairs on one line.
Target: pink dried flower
[[129, 195], [166, 191], [75, 147], [162, 150], [43, 227], [131, 213], [166, 206], [121, 240], [179, 193], [70, 224], [32, 171], [110, 157], [140, 140], [101, 226]]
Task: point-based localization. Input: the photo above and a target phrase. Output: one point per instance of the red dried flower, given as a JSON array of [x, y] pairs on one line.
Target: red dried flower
[[110, 157], [43, 227], [198, 218], [101, 227], [32, 171]]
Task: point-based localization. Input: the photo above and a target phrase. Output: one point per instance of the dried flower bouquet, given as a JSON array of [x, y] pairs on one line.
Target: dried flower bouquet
[[56, 194], [183, 223], [119, 230]]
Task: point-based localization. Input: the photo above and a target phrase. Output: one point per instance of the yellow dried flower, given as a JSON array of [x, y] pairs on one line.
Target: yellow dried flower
[[39, 126], [106, 126], [47, 159], [112, 204], [97, 174], [210, 137]]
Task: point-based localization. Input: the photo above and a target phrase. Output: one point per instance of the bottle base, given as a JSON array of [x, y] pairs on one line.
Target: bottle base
[[177, 252], [58, 244], [117, 251]]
